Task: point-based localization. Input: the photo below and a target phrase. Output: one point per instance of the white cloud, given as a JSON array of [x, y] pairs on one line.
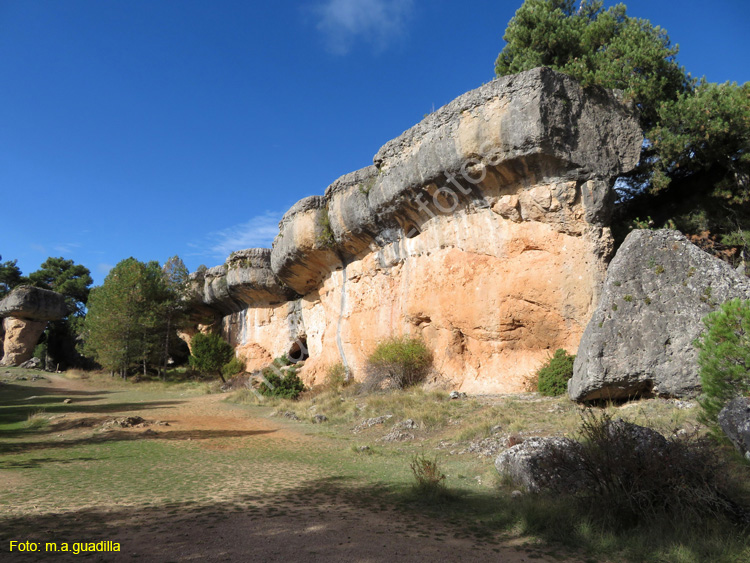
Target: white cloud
[[66, 247], [258, 232], [104, 268], [377, 22]]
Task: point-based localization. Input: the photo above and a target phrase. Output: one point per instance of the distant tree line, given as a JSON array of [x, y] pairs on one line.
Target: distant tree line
[[128, 324]]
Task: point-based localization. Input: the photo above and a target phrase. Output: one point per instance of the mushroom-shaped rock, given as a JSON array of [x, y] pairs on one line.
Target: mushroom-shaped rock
[[27, 310], [251, 280], [304, 252], [509, 134], [27, 302]]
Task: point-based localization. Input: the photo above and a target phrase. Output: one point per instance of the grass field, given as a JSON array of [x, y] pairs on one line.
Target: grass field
[[221, 477]]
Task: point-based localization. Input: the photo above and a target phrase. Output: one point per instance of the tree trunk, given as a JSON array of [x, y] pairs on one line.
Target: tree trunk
[[166, 347]]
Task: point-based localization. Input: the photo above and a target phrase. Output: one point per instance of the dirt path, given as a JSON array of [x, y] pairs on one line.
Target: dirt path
[[307, 520]]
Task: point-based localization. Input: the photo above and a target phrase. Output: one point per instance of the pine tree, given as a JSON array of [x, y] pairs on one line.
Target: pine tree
[[66, 277], [210, 353], [176, 280], [724, 357], [112, 327], [133, 316], [10, 276]]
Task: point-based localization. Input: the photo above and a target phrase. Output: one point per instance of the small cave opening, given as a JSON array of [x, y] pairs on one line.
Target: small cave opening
[[298, 350]]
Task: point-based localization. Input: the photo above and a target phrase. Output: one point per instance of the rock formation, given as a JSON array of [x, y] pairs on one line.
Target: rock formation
[[534, 464], [567, 466], [734, 420], [25, 312], [640, 339], [482, 229]]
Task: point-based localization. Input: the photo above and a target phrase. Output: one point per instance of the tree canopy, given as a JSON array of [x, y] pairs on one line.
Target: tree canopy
[[132, 316], [695, 164], [210, 352], [10, 276], [596, 46], [66, 277]]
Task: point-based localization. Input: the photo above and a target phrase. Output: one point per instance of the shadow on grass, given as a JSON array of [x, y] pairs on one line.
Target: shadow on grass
[[14, 392], [121, 435], [18, 402], [342, 519], [322, 520], [36, 463]]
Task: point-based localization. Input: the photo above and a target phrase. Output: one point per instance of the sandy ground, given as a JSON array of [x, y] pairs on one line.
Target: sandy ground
[[319, 527]]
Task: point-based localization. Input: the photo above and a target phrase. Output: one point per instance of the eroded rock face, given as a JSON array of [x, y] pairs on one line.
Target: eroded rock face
[[21, 336], [640, 338], [734, 420], [27, 310], [483, 229]]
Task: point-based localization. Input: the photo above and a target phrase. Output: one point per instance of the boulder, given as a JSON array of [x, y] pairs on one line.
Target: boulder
[[567, 466], [639, 439], [33, 363], [734, 420], [639, 341], [533, 464], [33, 303]]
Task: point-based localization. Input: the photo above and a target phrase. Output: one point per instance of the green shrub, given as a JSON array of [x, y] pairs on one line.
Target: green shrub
[[210, 352], [429, 478], [552, 377], [337, 376], [399, 361], [625, 475], [282, 361], [724, 357], [286, 384], [37, 420], [233, 367], [325, 237]]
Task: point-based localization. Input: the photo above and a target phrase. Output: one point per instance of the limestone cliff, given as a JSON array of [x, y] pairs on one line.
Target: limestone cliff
[[482, 229]]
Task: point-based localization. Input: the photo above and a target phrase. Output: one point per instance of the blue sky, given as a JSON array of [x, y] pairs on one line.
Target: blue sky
[[151, 128]]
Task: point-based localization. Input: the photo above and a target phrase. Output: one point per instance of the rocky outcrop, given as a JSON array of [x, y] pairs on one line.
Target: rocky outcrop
[[26, 311], [640, 339], [535, 464], [734, 420], [614, 451], [26, 302], [483, 229]]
